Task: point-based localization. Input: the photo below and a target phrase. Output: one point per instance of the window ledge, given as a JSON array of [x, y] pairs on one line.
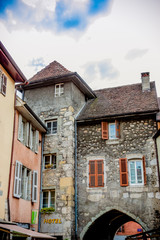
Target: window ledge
[[96, 189], [113, 141], [137, 188]]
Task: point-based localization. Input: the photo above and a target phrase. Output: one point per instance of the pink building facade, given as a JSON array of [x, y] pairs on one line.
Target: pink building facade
[[25, 177]]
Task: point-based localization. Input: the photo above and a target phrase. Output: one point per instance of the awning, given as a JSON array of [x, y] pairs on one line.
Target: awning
[[14, 229]]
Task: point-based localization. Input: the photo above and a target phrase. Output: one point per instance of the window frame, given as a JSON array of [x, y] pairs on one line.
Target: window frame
[[105, 128], [52, 121], [135, 171], [60, 91], [18, 180], [50, 161], [48, 198]]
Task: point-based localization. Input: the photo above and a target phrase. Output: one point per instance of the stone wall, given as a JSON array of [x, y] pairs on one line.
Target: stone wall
[[64, 109], [136, 141]]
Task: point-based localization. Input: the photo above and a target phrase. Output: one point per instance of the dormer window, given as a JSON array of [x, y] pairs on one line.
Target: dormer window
[[59, 89]]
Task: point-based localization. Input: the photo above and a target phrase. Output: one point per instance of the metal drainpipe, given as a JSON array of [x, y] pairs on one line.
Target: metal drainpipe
[[76, 214], [40, 203]]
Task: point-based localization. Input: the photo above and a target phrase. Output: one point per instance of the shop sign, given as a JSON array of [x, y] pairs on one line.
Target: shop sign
[[34, 217], [56, 221]]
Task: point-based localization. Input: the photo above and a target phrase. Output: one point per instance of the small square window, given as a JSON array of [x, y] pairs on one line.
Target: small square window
[[59, 90], [50, 161], [52, 127], [112, 131]]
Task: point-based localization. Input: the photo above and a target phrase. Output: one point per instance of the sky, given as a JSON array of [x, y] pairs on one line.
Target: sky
[[108, 43]]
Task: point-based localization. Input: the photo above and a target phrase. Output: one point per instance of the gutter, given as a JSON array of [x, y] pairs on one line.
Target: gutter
[[75, 176], [40, 202]]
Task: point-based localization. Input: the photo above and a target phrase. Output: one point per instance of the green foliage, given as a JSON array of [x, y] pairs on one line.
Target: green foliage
[[47, 210]]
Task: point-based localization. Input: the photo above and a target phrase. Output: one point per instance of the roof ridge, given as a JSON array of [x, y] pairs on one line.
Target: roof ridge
[[126, 85]]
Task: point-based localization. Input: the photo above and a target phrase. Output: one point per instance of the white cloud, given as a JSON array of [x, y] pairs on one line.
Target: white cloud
[[136, 53]]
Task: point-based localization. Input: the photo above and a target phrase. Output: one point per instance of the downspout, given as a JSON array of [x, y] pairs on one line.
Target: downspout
[[40, 203], [75, 172]]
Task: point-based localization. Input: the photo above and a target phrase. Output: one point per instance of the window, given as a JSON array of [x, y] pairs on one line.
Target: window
[[52, 127], [22, 183], [34, 186], [27, 134], [50, 161], [110, 130], [48, 199], [137, 172], [96, 173], [59, 90], [26, 183], [3, 83]]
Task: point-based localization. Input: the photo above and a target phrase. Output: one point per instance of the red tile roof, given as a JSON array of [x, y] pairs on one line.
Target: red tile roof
[[54, 69], [118, 101]]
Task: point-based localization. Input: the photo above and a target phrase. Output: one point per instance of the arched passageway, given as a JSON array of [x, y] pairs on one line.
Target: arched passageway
[[105, 227]]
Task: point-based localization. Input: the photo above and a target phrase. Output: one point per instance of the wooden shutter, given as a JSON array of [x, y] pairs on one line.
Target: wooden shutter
[[20, 128], [100, 173], [92, 173], [17, 180], [104, 126], [30, 136], [96, 173], [34, 186], [123, 172], [0, 80], [117, 124], [144, 171], [4, 84], [36, 141]]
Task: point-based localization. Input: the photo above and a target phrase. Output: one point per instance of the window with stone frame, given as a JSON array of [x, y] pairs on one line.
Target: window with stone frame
[[110, 130], [132, 172], [3, 83], [96, 173], [51, 126], [50, 161], [48, 198], [59, 89]]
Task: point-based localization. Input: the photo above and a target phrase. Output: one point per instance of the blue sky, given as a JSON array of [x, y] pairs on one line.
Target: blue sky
[[108, 42]]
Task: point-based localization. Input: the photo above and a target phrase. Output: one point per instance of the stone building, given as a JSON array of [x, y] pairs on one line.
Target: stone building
[[117, 176], [57, 95], [99, 162]]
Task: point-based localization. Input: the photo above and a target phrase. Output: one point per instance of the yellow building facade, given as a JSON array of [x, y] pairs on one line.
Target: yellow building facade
[[9, 75]]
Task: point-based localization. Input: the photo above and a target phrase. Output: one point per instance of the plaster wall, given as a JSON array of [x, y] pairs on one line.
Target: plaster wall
[[136, 141], [6, 133], [21, 209]]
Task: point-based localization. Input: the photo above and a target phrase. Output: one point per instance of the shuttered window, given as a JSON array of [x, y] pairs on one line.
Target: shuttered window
[[110, 130], [96, 173], [123, 172], [3, 83]]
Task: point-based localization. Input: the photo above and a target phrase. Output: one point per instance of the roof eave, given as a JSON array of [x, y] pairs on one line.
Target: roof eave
[[10, 66], [118, 116], [73, 76]]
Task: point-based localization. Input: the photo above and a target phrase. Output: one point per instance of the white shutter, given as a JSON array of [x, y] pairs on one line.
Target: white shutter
[[27, 134], [36, 141], [30, 137], [20, 128], [34, 186], [17, 179]]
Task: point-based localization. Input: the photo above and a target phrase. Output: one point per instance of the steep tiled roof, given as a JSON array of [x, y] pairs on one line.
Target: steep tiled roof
[[54, 69], [118, 101]]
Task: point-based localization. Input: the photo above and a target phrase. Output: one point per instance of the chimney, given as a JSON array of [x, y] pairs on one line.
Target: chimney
[[145, 81]]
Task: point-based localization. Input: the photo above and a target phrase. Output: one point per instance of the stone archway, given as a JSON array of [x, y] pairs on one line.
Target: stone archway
[[105, 225]]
